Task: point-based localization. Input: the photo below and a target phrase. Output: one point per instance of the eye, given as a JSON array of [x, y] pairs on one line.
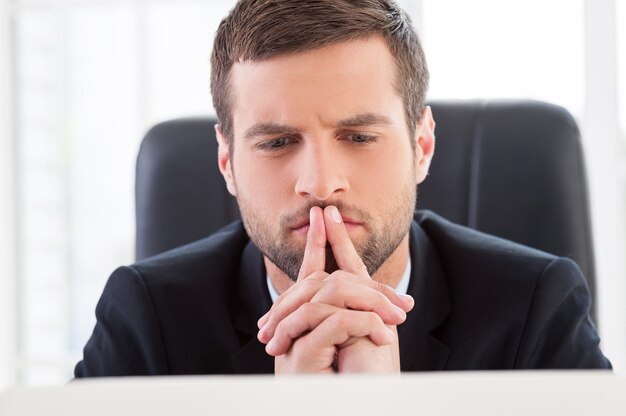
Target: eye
[[275, 144], [361, 138]]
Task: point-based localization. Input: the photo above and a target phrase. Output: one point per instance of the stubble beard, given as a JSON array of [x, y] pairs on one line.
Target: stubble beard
[[383, 235]]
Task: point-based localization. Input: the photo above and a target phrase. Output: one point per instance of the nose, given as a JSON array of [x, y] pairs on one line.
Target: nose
[[321, 173]]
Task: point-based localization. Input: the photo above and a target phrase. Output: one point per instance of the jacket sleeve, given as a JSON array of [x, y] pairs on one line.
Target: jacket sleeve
[[559, 332], [127, 338]]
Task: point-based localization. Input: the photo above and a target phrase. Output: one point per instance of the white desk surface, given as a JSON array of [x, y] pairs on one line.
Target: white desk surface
[[536, 393]]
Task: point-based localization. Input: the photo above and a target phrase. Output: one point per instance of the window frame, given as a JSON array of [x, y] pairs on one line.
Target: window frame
[[607, 183], [8, 236]]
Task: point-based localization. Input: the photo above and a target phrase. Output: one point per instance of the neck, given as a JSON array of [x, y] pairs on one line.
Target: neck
[[389, 273]]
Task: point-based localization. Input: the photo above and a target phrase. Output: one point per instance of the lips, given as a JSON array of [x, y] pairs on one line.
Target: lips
[[349, 221], [302, 227], [350, 225]]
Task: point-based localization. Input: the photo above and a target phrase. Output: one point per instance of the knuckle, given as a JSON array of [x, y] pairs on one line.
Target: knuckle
[[280, 329], [310, 284], [339, 275], [318, 275], [381, 287], [301, 347], [286, 294], [383, 301], [374, 319], [279, 299], [284, 331], [335, 320], [386, 290], [336, 285], [306, 288], [381, 298], [307, 308], [333, 276]]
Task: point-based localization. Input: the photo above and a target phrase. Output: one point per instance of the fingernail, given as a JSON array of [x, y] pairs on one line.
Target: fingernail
[[334, 214]]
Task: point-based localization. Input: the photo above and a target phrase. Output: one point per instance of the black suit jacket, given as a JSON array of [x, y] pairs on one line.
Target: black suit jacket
[[480, 303]]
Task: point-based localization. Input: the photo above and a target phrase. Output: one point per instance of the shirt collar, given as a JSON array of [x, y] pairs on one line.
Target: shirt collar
[[402, 287]]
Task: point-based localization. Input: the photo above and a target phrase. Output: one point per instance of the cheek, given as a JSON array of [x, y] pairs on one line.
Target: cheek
[[265, 184], [386, 172]]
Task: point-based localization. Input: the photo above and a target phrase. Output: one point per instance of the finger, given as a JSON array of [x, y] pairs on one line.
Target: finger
[[262, 320], [289, 301], [303, 361], [343, 291], [337, 235], [293, 288], [346, 323], [315, 250], [345, 326], [401, 300], [333, 295], [306, 318]]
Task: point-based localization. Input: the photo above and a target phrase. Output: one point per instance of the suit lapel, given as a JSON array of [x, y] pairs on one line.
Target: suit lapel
[[420, 350], [253, 300]]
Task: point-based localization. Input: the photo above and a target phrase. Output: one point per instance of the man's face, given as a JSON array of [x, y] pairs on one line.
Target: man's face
[[323, 127]]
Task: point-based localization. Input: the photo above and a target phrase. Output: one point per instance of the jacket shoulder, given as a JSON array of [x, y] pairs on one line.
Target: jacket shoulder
[[171, 313], [530, 307], [216, 255], [464, 249]]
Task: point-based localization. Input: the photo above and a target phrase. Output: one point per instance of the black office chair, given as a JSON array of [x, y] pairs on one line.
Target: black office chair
[[509, 168]]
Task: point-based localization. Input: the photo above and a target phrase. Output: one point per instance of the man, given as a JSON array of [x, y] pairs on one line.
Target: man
[[323, 138]]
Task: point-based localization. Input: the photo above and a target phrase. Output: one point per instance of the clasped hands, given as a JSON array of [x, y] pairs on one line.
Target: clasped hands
[[338, 322]]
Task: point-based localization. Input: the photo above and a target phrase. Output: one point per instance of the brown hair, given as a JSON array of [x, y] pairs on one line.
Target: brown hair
[[259, 29]]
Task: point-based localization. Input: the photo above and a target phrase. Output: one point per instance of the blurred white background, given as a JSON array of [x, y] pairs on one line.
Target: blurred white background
[[82, 80]]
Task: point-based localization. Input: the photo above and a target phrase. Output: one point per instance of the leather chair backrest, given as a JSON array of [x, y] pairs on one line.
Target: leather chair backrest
[[509, 168], [180, 195]]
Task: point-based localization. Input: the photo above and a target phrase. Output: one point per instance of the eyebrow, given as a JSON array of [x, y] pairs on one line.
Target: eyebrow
[[365, 119], [268, 129], [272, 129]]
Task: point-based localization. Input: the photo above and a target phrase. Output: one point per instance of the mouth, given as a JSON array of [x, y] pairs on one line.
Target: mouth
[[303, 226], [351, 225]]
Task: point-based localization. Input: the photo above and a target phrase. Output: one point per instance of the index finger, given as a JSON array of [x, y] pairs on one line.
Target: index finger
[[347, 257], [315, 251]]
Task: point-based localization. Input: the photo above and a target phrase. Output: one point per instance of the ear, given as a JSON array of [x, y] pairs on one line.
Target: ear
[[424, 144], [223, 160]]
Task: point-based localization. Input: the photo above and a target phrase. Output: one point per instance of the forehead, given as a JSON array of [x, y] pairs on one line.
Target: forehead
[[318, 86]]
